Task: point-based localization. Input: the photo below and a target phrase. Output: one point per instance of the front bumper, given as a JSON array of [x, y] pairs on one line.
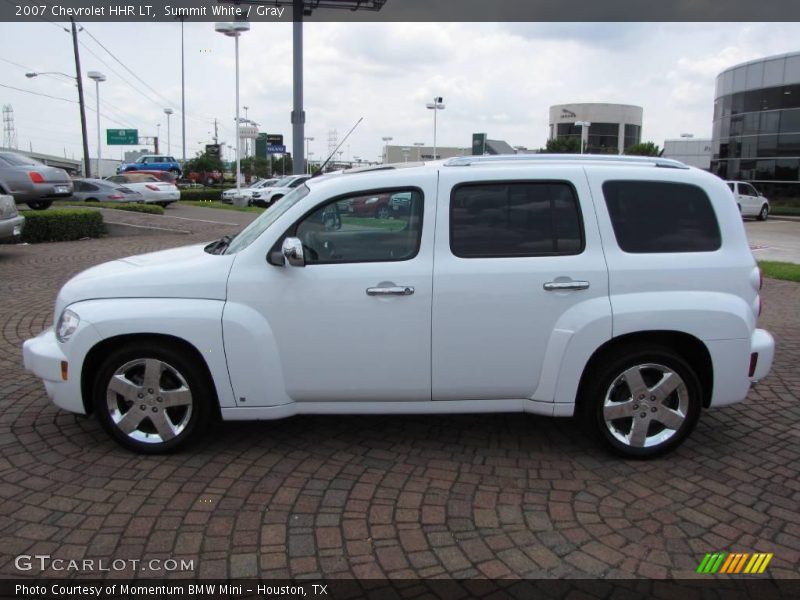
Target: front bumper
[[762, 350], [43, 356]]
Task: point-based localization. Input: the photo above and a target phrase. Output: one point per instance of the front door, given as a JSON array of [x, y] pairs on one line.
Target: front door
[[354, 323], [513, 257]]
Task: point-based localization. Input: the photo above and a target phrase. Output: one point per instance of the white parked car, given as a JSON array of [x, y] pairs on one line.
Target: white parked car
[[749, 200], [270, 195], [152, 189], [247, 192], [620, 289]]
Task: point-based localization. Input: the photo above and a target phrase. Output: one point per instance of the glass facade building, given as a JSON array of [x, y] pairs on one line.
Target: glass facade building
[[756, 130]]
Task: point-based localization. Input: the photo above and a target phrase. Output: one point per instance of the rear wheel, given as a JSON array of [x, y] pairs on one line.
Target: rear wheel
[[39, 204], [152, 398], [382, 212], [763, 213], [643, 402]]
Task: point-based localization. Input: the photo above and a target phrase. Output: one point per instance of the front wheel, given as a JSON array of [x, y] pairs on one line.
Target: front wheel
[[643, 402], [382, 212], [763, 213], [152, 398], [39, 204]]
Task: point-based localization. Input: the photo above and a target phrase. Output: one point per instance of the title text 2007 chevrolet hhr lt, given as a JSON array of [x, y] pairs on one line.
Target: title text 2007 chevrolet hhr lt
[[618, 289]]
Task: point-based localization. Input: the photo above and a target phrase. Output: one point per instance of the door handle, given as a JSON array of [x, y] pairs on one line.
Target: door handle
[[555, 286], [394, 290]]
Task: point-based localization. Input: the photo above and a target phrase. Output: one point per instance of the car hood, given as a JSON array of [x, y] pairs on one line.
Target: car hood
[[187, 272]]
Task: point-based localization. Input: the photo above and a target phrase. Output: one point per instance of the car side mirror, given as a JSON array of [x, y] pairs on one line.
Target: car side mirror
[[292, 249]]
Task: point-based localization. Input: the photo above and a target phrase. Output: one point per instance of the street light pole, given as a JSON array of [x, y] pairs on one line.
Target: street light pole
[[435, 106], [234, 30], [97, 76], [298, 114], [308, 162], [168, 112], [183, 95], [86, 167]]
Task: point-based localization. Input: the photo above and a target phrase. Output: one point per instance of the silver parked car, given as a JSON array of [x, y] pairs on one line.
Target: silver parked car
[[11, 222], [100, 190], [32, 182]]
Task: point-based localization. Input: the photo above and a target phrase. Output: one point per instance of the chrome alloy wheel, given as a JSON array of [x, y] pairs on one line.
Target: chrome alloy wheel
[[646, 405], [149, 400]]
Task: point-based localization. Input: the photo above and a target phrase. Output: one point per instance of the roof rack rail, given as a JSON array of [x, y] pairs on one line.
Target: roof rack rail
[[466, 161]]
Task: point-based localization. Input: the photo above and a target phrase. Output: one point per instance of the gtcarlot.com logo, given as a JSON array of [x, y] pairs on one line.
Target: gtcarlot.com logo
[[44, 562], [734, 563]]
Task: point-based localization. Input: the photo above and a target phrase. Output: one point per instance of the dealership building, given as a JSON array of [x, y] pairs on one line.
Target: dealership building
[[756, 133], [612, 128], [694, 152]]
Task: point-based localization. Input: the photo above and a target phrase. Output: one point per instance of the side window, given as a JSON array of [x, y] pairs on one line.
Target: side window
[[659, 216], [730, 185], [749, 189], [362, 228], [90, 187], [118, 179], [492, 220], [78, 186]]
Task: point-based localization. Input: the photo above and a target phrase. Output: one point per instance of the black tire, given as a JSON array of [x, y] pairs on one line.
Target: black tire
[[39, 204], [764, 213], [163, 204], [91, 200], [382, 212], [606, 378], [195, 377]]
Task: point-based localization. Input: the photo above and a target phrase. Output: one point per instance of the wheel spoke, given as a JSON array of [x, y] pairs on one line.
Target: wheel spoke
[[637, 386], [179, 397], [669, 418], [618, 410], [152, 374], [164, 427], [638, 433], [130, 420], [668, 384], [124, 387]]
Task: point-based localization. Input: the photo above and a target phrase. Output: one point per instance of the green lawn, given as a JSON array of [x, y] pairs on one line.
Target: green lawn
[[780, 270], [223, 206]]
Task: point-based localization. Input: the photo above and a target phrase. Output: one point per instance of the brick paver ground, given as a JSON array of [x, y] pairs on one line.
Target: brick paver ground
[[410, 496]]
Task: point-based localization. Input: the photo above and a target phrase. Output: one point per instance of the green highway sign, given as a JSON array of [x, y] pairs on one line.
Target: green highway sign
[[122, 137]]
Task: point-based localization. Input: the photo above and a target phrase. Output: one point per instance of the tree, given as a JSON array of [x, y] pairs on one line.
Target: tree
[[564, 145], [203, 163], [644, 149]]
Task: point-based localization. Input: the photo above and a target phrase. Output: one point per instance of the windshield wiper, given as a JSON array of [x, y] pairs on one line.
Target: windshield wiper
[[219, 246]]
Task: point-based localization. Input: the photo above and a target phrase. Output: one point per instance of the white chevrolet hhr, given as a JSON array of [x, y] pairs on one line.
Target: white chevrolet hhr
[[619, 289]]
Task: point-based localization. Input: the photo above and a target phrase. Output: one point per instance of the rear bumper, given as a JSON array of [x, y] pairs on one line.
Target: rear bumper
[[762, 351], [11, 228]]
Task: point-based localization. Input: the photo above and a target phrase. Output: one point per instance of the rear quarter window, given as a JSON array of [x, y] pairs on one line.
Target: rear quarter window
[[660, 216]]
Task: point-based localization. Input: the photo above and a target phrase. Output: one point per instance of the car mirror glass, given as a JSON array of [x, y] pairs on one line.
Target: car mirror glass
[[292, 250]]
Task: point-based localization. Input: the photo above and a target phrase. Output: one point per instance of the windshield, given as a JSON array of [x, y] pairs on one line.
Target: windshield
[[283, 182], [267, 218]]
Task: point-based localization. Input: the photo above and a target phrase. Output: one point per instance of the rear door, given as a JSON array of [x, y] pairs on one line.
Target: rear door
[[749, 198], [515, 251]]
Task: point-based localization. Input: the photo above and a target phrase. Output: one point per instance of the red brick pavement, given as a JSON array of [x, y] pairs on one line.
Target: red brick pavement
[[413, 496]]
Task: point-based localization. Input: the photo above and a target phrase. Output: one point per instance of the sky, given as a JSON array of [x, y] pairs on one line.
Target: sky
[[495, 78]]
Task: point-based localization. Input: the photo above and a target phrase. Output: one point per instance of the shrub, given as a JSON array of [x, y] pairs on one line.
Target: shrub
[[62, 225], [213, 194], [150, 209]]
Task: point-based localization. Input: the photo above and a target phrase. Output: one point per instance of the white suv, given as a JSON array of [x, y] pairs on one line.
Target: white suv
[[749, 200], [619, 289]]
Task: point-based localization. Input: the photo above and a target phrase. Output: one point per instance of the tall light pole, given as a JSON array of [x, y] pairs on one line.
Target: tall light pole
[[386, 141], [435, 106], [246, 140], [234, 30], [183, 94], [308, 162], [584, 125], [97, 77], [158, 136], [168, 112]]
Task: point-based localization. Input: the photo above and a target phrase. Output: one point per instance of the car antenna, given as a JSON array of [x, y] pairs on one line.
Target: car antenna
[[327, 160]]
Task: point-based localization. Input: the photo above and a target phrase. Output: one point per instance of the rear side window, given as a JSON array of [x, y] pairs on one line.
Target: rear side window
[[660, 216], [493, 220]]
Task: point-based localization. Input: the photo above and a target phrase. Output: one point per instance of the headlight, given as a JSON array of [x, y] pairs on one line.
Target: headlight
[[67, 324]]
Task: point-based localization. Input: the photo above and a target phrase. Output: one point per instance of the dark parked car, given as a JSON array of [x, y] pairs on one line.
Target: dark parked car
[[32, 182], [100, 190]]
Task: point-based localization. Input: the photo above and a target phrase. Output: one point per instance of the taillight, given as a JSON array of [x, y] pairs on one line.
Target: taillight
[[36, 177], [150, 186], [115, 197]]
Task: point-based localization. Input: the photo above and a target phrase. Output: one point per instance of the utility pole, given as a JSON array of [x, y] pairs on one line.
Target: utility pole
[[79, 78], [215, 132]]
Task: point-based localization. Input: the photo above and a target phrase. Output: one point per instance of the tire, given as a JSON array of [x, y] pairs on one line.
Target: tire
[[382, 212], [764, 213], [163, 204], [91, 200], [153, 429], [643, 422], [39, 204]]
